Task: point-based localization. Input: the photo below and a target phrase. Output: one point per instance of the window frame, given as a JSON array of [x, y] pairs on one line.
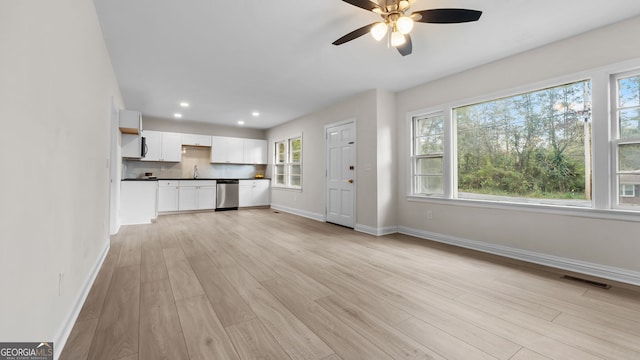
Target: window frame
[[587, 203], [604, 191], [617, 142], [288, 163], [432, 155], [292, 163]]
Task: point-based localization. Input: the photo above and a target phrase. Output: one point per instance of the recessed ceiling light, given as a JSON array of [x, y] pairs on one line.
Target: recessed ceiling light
[[184, 104], [255, 113], [177, 115], [240, 122]]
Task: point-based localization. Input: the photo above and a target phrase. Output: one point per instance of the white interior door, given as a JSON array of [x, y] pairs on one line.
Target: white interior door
[[341, 174]]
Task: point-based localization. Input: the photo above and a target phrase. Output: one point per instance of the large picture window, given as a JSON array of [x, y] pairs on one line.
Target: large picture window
[[287, 168], [533, 147]]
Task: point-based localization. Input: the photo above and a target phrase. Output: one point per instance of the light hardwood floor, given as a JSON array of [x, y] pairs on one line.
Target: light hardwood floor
[[258, 284]]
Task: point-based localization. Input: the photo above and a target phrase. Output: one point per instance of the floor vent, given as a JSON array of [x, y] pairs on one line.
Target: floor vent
[[590, 282]]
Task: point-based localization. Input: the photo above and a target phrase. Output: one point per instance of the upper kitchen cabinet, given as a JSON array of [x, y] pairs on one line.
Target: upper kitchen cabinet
[[227, 150], [238, 151], [130, 122], [254, 151], [196, 140], [162, 146]]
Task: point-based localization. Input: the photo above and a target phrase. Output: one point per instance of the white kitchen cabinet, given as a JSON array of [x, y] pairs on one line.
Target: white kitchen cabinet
[[207, 197], [171, 147], [197, 195], [254, 151], [245, 193], [227, 150], [162, 146], [138, 202], [130, 122], [167, 195], [196, 140], [187, 197], [261, 192], [254, 193]]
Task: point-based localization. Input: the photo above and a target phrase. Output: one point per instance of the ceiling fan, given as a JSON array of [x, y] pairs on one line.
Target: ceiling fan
[[398, 25]]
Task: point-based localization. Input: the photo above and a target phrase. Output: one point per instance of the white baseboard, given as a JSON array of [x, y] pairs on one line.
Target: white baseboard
[[62, 335], [376, 231], [583, 267], [306, 214]]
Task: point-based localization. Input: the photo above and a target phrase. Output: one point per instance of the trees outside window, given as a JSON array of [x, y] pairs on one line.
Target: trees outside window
[[534, 145]]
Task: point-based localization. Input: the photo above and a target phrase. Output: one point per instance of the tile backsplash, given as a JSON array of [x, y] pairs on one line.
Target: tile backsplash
[[191, 156]]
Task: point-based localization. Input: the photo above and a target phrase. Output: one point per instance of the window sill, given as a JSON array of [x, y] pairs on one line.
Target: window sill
[[564, 210]]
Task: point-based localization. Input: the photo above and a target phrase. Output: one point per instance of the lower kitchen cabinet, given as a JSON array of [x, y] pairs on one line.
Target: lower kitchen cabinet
[[138, 202], [168, 195], [196, 195], [245, 193], [254, 193]]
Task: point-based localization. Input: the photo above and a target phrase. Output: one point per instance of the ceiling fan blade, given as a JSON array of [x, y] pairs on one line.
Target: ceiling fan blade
[[446, 16], [354, 34], [406, 48], [363, 4]]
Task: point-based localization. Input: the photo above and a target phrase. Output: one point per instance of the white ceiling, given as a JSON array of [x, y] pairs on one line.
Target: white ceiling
[[229, 58]]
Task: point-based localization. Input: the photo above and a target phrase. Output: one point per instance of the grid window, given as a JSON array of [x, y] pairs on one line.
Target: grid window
[[428, 150], [627, 142], [288, 163]]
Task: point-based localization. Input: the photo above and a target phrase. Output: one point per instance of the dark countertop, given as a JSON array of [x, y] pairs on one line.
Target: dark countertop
[[142, 179]]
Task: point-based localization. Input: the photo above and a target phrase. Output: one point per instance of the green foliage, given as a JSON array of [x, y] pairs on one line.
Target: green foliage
[[530, 145]]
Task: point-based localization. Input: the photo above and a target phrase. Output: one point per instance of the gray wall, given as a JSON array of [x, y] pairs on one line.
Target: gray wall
[[56, 90]]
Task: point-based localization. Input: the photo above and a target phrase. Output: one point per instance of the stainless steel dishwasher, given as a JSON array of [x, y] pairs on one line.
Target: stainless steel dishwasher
[[227, 194]]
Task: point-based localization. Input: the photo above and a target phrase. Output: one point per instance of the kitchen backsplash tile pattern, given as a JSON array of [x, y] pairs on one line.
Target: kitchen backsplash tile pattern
[[191, 156]]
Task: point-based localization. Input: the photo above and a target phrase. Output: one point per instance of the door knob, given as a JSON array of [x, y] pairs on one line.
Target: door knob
[[350, 181]]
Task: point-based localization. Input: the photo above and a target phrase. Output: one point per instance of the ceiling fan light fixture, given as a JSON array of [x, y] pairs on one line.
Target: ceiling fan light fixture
[[397, 39], [379, 30], [404, 24], [404, 4]]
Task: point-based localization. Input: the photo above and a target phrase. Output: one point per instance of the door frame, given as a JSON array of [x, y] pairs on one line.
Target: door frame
[[326, 167], [114, 169]]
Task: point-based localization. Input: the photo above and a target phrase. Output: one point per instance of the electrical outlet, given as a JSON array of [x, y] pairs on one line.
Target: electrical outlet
[[429, 215]]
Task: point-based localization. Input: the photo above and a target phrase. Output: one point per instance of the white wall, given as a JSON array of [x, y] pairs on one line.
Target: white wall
[[55, 95], [386, 154], [599, 242]]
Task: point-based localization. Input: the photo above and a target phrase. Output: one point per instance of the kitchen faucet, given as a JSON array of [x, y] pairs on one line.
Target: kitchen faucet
[[195, 171]]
